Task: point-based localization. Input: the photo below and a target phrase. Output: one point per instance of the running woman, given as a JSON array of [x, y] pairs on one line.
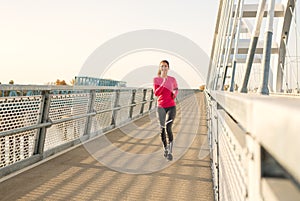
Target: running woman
[[166, 90]]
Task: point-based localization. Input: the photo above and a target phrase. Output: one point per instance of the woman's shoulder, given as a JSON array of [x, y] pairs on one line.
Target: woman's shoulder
[[157, 80], [172, 78]]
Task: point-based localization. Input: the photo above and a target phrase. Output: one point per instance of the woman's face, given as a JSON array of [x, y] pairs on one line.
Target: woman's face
[[164, 67]]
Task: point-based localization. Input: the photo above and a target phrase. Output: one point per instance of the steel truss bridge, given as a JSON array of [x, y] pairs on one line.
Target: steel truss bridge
[[249, 123], [253, 101]]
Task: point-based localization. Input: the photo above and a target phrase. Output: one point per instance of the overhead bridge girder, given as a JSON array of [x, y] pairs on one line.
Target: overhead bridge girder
[[249, 33], [242, 58], [243, 46], [244, 29], [250, 10]]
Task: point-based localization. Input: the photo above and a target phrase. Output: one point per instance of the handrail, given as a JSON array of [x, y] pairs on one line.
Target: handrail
[[63, 120], [30, 120], [250, 131], [61, 87]]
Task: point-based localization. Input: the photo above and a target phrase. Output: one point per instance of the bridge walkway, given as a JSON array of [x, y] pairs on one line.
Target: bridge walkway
[[79, 173]]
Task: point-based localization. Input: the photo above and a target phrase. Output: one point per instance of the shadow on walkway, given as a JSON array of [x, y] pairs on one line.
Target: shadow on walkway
[[80, 174]]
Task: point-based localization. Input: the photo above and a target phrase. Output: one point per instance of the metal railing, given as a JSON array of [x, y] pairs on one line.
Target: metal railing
[[254, 127], [37, 126], [254, 142]]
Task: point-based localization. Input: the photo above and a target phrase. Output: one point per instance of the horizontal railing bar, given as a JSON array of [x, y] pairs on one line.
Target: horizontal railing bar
[[63, 120], [7, 87], [24, 129], [46, 92], [48, 124], [266, 118], [285, 94], [62, 87]]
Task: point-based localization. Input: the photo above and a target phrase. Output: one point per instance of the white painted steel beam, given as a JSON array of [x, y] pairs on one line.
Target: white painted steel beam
[[277, 189], [272, 120], [263, 89], [241, 58], [285, 23], [234, 36], [243, 47], [250, 10], [253, 44]]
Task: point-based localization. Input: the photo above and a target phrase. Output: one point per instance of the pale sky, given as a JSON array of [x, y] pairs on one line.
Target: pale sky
[[45, 40]]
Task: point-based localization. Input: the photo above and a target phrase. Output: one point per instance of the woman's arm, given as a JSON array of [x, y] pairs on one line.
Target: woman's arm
[[175, 89]]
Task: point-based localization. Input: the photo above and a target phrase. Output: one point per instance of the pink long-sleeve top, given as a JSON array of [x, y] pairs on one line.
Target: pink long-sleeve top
[[166, 91]]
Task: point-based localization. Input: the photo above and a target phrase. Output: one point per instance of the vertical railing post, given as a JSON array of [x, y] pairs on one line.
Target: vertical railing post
[[253, 168], [151, 99], [144, 99], [44, 118], [217, 151], [91, 108], [133, 103], [116, 104]]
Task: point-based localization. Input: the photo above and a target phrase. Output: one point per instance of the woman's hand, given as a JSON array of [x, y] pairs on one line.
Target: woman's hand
[[163, 82], [173, 96]]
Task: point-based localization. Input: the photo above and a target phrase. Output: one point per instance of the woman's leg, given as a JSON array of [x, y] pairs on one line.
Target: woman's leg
[[161, 113], [171, 113]]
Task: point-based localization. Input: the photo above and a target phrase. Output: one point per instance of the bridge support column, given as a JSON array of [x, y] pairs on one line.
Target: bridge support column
[[253, 44], [267, 49], [224, 77], [239, 14], [232, 77]]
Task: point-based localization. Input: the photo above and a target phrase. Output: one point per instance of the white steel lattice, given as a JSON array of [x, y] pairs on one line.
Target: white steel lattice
[[68, 105], [65, 113], [64, 106], [18, 112], [103, 101], [214, 147], [16, 147], [232, 171]]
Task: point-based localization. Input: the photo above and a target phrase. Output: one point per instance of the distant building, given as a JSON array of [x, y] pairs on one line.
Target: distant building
[[91, 81]]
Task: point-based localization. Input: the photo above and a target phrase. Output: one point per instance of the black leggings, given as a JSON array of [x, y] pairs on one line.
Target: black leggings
[[166, 118]]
